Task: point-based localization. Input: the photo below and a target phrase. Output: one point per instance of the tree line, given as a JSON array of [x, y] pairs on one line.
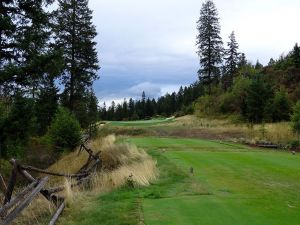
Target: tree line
[[179, 103], [48, 60]]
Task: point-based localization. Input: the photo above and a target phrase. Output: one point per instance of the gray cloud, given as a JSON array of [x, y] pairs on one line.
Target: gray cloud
[[151, 43]]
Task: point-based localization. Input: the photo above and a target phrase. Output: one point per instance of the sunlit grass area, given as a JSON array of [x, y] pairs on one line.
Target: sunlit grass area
[[150, 122]]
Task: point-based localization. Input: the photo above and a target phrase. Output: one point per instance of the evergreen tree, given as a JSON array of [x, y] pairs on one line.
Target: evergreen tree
[[281, 107], [92, 108], [231, 61], [258, 97], [111, 111], [119, 113], [149, 109], [75, 34], [103, 112], [17, 126], [180, 97], [258, 65], [131, 108], [46, 105], [143, 106], [296, 56], [125, 109], [209, 44], [33, 42], [243, 61], [271, 62], [7, 30]]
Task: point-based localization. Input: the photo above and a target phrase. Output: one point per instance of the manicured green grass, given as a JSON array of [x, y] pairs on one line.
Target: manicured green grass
[[247, 187], [141, 123], [231, 184]]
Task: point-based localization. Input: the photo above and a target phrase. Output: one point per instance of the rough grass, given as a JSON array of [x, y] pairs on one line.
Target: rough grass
[[224, 129], [207, 128], [142, 123], [122, 163]]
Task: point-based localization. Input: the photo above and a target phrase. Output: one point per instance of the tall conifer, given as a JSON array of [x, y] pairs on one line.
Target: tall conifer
[[75, 34], [231, 61], [209, 44]]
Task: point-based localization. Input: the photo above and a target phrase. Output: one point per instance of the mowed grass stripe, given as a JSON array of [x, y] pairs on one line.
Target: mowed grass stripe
[[260, 187], [182, 144]]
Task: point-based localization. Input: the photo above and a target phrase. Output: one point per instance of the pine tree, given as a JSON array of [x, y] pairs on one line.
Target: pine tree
[[7, 41], [25, 54], [281, 107], [131, 108], [180, 97], [258, 65], [143, 106], [46, 105], [125, 109], [258, 96], [243, 61], [92, 108], [296, 56], [209, 44], [75, 34], [103, 112], [271, 62], [33, 39], [231, 61]]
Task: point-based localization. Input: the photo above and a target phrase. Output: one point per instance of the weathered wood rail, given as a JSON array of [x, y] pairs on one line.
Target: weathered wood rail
[[14, 205]]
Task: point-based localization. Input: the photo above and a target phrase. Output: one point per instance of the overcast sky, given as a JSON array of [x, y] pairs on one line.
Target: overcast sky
[[150, 44]]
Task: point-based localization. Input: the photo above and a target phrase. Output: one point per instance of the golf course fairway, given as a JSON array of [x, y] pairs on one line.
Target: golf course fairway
[[231, 184], [239, 185]]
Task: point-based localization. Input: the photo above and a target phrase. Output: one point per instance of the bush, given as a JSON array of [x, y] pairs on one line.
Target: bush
[[188, 110], [227, 103], [64, 130], [296, 120], [206, 105]]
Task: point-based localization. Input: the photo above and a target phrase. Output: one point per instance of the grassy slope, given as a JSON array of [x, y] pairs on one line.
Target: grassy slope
[[232, 184], [141, 123]]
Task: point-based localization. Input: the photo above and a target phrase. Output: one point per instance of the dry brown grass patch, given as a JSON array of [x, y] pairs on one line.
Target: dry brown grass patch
[[120, 161]]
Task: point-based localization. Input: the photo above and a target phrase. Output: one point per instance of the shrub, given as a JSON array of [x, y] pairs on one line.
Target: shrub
[[206, 105], [64, 130], [227, 103], [188, 110], [296, 120]]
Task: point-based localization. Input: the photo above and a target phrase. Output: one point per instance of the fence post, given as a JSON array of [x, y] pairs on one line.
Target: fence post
[[12, 182]]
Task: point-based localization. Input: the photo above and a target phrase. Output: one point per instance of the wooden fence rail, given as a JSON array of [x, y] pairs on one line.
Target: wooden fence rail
[[12, 215], [13, 206]]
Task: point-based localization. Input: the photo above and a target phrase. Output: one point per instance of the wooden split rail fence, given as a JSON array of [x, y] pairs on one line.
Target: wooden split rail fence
[[14, 205]]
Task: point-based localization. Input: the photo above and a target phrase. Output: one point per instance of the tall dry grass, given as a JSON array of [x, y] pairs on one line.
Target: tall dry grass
[[121, 162], [277, 133]]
